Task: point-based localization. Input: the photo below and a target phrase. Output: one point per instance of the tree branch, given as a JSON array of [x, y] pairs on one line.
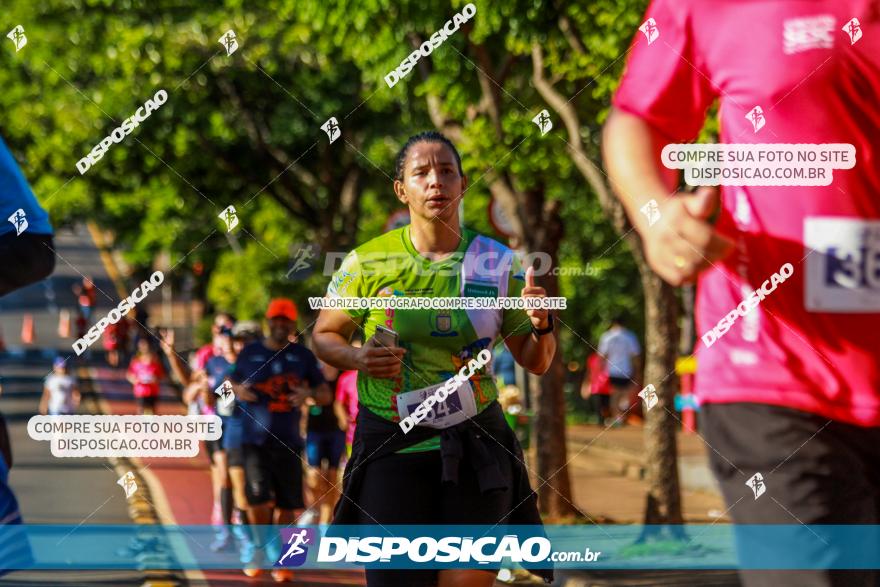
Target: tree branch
[[435, 106], [491, 101], [571, 35], [587, 168]]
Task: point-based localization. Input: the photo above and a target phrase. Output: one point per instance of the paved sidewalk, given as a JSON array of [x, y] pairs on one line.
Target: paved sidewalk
[[607, 470]]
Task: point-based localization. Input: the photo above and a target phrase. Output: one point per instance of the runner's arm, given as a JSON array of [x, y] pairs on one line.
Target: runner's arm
[[321, 394], [632, 157], [331, 336], [192, 390], [244, 392], [178, 366], [682, 242], [533, 352], [341, 416], [44, 401]]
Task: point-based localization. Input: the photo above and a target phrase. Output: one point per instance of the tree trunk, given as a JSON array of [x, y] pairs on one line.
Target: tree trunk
[[543, 230], [663, 505], [661, 319]]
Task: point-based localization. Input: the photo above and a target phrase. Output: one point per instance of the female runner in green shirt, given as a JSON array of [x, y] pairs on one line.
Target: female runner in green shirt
[[397, 478]]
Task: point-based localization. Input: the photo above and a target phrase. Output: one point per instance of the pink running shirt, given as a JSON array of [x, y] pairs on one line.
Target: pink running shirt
[[147, 374], [814, 343], [347, 397]]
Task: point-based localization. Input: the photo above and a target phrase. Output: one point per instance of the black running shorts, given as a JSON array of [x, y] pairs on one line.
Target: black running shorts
[[274, 473], [815, 471], [406, 488]]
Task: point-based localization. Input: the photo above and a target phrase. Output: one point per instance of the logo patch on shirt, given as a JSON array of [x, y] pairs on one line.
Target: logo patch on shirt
[[810, 32], [442, 325], [480, 290], [843, 265]]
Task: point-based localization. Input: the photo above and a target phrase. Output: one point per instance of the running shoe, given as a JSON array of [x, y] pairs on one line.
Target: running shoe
[[252, 558], [282, 575], [221, 539], [252, 572]]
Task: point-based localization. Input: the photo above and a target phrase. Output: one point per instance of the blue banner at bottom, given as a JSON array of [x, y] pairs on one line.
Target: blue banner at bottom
[[715, 546]]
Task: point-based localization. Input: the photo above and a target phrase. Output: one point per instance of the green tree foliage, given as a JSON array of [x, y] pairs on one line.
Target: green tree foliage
[[234, 124]]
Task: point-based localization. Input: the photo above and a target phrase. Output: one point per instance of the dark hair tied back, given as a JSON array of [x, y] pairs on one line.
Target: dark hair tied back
[[430, 136]]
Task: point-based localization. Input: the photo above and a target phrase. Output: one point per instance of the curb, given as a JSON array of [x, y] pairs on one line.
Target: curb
[[140, 505], [140, 508]]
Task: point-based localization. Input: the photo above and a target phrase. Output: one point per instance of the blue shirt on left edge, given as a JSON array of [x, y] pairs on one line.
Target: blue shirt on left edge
[[15, 193], [272, 375]]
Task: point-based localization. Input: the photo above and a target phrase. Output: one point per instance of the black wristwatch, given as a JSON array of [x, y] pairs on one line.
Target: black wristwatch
[[543, 331]]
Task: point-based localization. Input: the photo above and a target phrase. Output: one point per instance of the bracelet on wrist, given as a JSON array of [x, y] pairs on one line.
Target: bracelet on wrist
[[542, 331]]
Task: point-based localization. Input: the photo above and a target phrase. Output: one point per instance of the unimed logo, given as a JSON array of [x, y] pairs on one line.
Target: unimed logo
[[296, 543]]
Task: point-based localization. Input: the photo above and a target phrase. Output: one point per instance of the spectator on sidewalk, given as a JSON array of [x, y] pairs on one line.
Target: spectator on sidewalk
[[620, 351], [144, 373], [61, 395], [596, 387]]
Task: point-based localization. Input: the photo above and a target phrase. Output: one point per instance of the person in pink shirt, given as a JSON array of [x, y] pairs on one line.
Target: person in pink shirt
[[145, 372], [596, 387], [213, 348], [347, 405], [790, 387]]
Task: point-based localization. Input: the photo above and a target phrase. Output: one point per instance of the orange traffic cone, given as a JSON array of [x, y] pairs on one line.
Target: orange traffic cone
[[27, 329], [64, 324]]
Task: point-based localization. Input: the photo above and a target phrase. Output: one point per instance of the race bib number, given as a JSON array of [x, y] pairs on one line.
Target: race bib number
[[843, 266], [458, 406]]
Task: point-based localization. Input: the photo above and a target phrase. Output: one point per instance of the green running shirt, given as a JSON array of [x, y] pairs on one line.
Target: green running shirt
[[438, 341]]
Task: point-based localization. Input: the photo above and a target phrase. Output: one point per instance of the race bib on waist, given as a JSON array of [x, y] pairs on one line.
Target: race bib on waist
[[458, 406], [843, 266]]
